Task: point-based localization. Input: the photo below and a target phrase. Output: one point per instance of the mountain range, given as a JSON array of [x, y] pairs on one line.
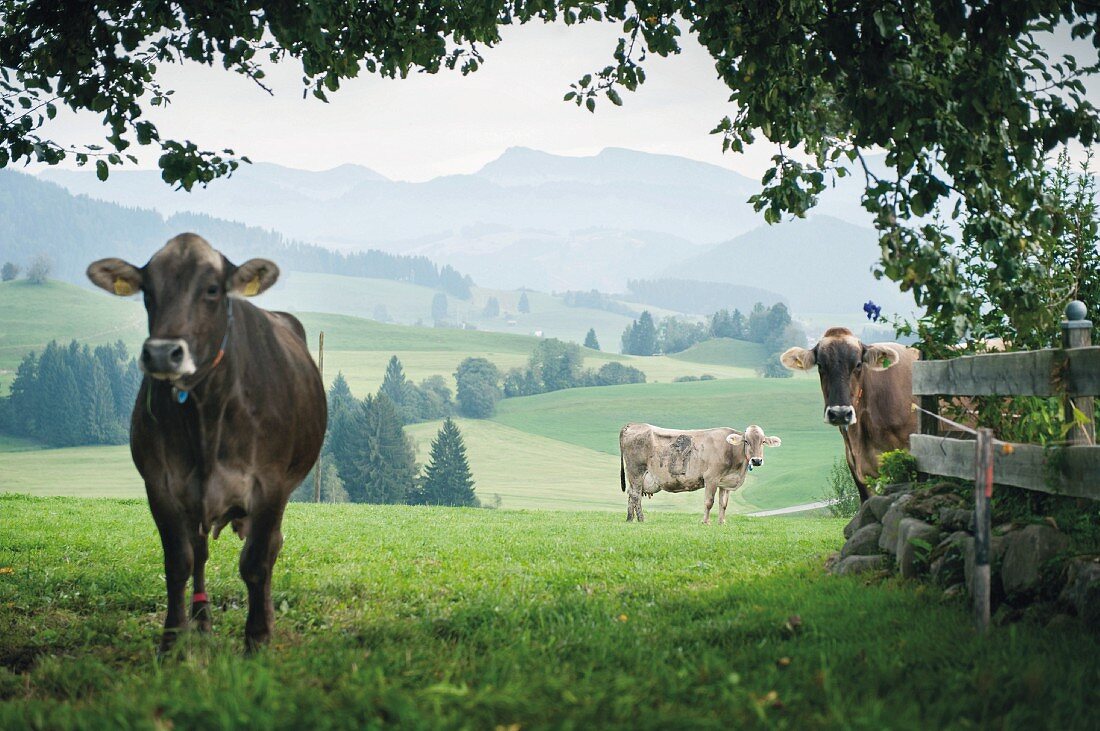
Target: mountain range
[[547, 222]]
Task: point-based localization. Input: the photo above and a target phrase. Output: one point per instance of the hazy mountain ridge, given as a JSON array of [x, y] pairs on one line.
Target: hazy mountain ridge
[[822, 264], [540, 220], [41, 217]]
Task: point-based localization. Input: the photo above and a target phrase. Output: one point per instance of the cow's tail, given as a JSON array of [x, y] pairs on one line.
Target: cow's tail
[[622, 471]]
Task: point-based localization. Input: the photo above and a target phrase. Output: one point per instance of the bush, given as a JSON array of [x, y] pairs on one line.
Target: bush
[[840, 491], [895, 467], [39, 269]]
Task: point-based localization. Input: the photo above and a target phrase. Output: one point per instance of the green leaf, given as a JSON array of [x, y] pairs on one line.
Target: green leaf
[[101, 170]]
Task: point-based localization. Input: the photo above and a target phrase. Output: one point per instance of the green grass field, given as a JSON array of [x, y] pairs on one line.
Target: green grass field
[[552, 451], [789, 408], [424, 618]]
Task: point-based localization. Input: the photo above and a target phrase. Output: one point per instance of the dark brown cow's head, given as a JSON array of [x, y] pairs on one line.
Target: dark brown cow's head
[[186, 286], [753, 441], [841, 359]]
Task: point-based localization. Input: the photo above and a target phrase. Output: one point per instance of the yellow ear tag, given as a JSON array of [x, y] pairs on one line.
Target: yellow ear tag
[[253, 287], [123, 288]]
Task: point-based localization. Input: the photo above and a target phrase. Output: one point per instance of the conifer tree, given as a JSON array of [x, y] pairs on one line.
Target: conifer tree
[[403, 393], [523, 306], [447, 478], [376, 460], [590, 340]]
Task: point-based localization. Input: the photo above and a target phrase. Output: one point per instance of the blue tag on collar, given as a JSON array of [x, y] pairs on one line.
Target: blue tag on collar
[[181, 396]]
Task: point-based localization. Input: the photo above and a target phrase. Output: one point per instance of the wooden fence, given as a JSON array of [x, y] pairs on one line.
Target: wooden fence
[[1071, 372]]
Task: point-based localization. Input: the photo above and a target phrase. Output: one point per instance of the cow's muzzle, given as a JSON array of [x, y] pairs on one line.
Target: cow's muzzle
[[757, 461], [167, 358], [840, 415]]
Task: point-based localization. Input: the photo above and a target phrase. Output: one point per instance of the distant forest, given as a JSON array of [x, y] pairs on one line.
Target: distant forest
[[72, 395], [41, 217]]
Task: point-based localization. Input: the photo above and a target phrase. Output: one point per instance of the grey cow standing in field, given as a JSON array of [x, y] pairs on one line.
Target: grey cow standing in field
[[229, 419], [675, 460]]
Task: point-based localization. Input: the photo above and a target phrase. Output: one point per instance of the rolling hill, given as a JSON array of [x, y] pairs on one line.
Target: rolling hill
[[36, 314], [552, 451]]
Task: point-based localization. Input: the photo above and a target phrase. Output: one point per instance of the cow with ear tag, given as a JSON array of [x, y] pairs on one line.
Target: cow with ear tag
[[229, 419], [868, 393]]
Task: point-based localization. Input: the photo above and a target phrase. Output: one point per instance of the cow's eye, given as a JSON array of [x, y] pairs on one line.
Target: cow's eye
[[212, 290]]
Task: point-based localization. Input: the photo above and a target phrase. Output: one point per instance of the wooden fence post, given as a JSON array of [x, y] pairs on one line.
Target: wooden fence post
[[927, 423], [1077, 333], [321, 369], [983, 490]]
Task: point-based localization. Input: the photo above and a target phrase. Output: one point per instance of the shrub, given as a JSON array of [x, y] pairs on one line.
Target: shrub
[[895, 467], [840, 491]]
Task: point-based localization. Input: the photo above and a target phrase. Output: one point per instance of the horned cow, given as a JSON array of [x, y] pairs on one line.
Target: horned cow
[[229, 419], [654, 459]]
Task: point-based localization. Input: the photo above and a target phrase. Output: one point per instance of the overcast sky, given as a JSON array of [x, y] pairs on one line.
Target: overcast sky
[[429, 125]]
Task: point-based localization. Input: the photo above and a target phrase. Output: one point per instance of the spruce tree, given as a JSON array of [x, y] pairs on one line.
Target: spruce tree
[[397, 388], [375, 459], [523, 306], [590, 340], [447, 478], [439, 307]]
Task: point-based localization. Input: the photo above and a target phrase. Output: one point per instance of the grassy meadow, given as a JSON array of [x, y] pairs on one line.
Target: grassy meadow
[[424, 618]]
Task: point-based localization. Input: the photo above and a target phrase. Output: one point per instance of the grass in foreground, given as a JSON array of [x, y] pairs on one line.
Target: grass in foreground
[[435, 618]]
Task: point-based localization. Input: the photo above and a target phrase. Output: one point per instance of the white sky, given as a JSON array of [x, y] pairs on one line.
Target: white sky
[[428, 125]]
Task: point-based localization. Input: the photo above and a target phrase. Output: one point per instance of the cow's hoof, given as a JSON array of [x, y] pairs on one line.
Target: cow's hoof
[[253, 645], [200, 616]]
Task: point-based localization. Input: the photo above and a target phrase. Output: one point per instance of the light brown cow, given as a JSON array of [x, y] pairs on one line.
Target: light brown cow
[[674, 460], [868, 394]]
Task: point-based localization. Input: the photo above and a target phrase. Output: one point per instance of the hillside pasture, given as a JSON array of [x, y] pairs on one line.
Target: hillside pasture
[[35, 314], [408, 303], [789, 408], [460, 618]]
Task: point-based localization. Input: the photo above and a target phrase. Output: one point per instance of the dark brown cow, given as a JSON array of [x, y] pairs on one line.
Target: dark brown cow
[[229, 419], [868, 394]]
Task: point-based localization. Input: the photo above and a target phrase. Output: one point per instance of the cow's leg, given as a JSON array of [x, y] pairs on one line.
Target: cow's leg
[[261, 548], [200, 605], [178, 561], [708, 501], [853, 467], [723, 501], [634, 504]]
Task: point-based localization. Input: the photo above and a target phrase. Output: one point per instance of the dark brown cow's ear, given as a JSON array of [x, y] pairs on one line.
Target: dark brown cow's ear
[[116, 276], [253, 277]]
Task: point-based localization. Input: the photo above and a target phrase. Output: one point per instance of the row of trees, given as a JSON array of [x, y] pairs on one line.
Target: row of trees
[[553, 365], [368, 458], [770, 326], [72, 395], [37, 272]]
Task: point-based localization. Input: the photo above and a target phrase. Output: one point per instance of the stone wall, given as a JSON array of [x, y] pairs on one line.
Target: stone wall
[[927, 532]]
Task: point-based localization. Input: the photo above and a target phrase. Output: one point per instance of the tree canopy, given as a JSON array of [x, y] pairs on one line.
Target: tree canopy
[[963, 97]]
